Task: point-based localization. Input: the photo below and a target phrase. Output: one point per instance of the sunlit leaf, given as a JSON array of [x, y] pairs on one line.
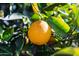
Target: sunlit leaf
[[61, 23], [65, 52], [37, 17]]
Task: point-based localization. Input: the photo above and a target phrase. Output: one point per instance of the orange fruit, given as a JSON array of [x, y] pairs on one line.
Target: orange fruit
[[39, 32]]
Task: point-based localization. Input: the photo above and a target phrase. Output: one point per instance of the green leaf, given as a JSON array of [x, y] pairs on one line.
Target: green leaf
[[58, 21], [65, 8], [19, 44], [57, 30], [52, 6], [77, 21], [5, 50], [75, 10], [37, 17], [7, 34], [48, 4], [1, 30], [49, 13], [69, 51]]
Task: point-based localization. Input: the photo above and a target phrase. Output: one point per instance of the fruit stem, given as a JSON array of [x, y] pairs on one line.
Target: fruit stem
[[40, 16]]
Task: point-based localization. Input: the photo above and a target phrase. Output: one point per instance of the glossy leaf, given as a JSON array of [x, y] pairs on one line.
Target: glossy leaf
[[7, 34], [38, 17], [57, 30], [58, 21]]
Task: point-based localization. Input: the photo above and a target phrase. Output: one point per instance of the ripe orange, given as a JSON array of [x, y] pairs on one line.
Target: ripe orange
[[39, 33]]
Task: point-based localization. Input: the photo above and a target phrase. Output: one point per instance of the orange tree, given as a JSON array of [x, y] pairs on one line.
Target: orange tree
[[46, 30]]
